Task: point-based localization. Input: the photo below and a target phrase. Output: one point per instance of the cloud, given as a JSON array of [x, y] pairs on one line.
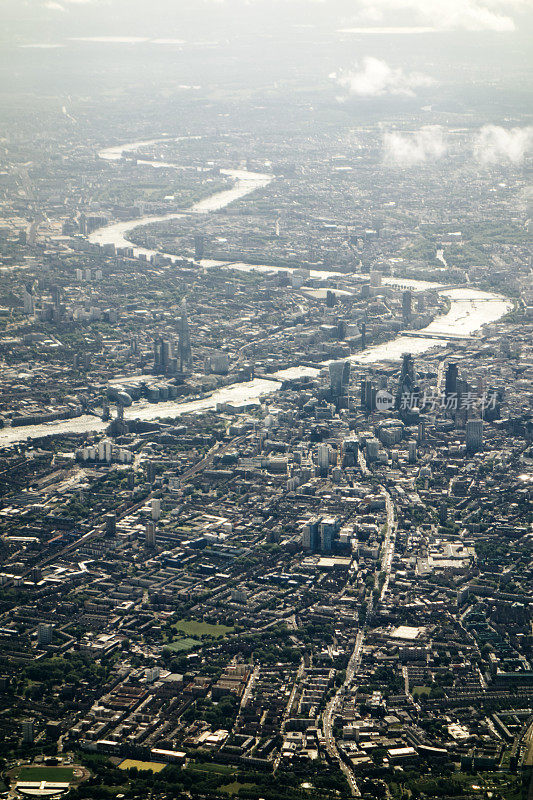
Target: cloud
[[376, 78], [53, 5], [472, 15], [401, 150], [496, 145]]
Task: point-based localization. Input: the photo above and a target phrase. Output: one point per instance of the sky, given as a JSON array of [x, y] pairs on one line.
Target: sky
[[155, 16], [352, 51]]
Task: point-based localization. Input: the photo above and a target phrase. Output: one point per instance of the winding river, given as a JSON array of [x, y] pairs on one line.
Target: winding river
[[470, 309]]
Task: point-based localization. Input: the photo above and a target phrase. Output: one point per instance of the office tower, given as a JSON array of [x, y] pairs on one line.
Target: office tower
[[110, 525], [310, 535], [150, 534], [372, 449], [44, 634], [407, 306], [407, 393], [219, 363], [474, 435], [55, 291], [29, 300], [421, 436], [156, 508], [323, 459], [185, 353], [150, 471], [339, 378], [27, 731], [330, 299], [375, 279], [327, 533], [199, 246], [350, 449], [412, 451], [368, 395], [450, 381], [363, 336]]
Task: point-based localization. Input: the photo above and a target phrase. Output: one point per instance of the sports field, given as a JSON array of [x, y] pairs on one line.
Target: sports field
[[149, 766], [52, 774]]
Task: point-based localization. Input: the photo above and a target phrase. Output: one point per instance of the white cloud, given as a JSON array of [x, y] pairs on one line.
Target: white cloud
[[497, 145], [406, 150], [53, 5], [377, 78], [470, 15]]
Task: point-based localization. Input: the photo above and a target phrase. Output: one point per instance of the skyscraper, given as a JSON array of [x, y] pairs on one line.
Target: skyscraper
[[310, 535], [150, 537], [198, 246], [110, 525], [339, 378], [44, 633], [408, 391], [27, 731], [185, 353], [450, 381], [407, 306], [323, 459], [29, 300], [474, 435]]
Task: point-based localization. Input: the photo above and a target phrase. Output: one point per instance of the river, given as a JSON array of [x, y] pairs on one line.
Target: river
[[470, 309]]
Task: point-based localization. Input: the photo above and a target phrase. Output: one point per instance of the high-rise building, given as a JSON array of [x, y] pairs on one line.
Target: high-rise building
[[199, 246], [110, 525], [150, 471], [156, 508], [29, 300], [330, 299], [150, 534], [328, 526], [164, 360], [412, 451], [44, 634], [450, 381], [27, 731], [339, 378], [407, 306], [310, 535], [407, 393], [55, 291], [372, 449], [185, 352], [323, 459], [474, 435], [368, 395]]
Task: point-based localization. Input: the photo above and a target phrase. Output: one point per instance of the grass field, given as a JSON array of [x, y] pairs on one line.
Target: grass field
[[182, 644], [418, 691], [192, 627], [233, 788], [218, 769], [53, 774], [149, 766]]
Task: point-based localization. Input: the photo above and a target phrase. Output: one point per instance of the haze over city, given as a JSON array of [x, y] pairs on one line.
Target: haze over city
[[266, 357]]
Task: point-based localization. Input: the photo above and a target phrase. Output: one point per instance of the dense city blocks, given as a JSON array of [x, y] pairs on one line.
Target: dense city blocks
[[266, 419]]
